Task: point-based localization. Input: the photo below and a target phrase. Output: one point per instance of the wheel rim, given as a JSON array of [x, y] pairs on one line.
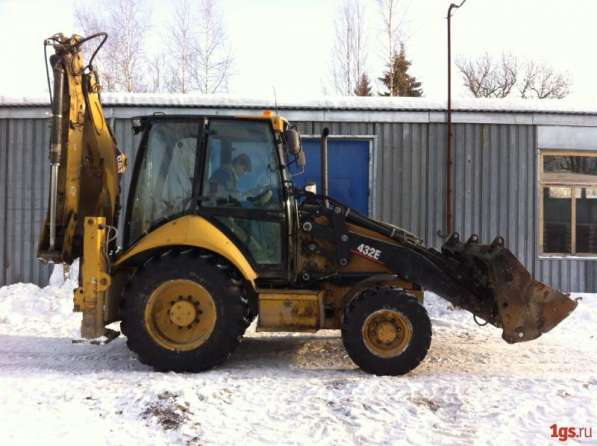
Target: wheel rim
[[387, 333], [180, 315]]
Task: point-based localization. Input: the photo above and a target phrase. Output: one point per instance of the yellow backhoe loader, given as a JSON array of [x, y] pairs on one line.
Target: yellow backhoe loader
[[216, 234]]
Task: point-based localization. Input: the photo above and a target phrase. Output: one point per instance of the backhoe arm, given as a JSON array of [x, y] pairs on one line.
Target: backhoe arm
[[85, 176], [85, 163]]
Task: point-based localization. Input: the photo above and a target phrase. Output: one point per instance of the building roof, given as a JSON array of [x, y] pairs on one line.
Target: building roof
[[352, 103]]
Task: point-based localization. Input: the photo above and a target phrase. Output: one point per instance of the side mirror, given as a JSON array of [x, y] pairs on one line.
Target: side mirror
[[293, 140]]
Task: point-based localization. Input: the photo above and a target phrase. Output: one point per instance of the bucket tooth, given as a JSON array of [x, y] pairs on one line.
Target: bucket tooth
[[473, 240], [452, 243], [498, 242]]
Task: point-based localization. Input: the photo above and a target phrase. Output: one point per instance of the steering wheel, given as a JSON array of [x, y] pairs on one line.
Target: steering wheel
[[262, 196]]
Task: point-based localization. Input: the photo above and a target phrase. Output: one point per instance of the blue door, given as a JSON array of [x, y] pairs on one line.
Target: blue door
[[348, 165]]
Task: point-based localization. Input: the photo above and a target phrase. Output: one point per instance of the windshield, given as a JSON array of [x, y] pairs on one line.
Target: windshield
[[164, 183]]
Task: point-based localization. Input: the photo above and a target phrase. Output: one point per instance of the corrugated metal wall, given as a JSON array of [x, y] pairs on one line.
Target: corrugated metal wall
[[24, 179], [494, 188]]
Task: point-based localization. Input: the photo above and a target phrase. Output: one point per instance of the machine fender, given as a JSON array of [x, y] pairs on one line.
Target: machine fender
[[191, 230]]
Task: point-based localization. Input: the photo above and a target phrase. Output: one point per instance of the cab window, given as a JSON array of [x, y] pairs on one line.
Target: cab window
[[241, 168], [165, 180]]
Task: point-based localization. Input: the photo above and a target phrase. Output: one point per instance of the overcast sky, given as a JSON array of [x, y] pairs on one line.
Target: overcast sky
[[286, 44]]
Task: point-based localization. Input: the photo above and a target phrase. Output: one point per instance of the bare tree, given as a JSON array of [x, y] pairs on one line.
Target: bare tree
[[392, 22], [487, 76], [349, 55], [181, 48], [159, 75], [542, 82], [211, 56], [91, 23], [122, 58]]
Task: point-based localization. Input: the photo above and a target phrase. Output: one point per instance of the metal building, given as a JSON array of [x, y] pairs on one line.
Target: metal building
[[388, 158]]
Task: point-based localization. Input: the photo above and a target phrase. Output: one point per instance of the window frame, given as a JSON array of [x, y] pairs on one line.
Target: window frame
[[562, 182]]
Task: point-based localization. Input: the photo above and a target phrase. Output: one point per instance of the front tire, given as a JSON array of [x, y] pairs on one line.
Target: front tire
[[386, 331], [184, 312]]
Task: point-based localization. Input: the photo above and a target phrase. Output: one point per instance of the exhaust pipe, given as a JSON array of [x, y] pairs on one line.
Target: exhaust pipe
[[324, 165]]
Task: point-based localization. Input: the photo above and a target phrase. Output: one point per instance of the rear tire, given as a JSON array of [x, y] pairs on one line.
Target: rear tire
[[184, 312], [386, 331]]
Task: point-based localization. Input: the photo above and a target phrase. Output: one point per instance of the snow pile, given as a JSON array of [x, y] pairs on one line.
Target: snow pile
[[445, 316], [582, 323], [26, 309]]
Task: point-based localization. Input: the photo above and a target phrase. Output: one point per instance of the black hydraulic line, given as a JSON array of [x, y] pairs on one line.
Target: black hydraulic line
[[47, 70], [86, 39]]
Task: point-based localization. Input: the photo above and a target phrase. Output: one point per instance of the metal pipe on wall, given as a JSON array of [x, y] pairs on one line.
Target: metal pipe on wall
[[450, 161]]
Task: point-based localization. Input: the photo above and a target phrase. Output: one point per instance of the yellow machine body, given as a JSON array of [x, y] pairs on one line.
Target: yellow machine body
[[91, 297], [290, 310], [192, 231]]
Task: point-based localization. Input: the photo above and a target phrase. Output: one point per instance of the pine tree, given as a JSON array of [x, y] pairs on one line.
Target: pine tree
[[397, 80], [363, 87]]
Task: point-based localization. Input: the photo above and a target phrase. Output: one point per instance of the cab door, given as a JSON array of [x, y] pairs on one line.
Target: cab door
[[242, 193]]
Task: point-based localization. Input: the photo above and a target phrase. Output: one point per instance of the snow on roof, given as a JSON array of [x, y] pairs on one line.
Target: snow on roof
[[373, 103]]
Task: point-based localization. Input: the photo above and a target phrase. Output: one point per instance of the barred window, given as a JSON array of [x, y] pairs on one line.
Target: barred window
[[568, 190]]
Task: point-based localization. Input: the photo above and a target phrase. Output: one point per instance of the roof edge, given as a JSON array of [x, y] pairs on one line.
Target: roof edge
[[350, 103]]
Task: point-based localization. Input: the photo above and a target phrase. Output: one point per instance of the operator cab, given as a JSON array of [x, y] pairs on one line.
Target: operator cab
[[229, 170]]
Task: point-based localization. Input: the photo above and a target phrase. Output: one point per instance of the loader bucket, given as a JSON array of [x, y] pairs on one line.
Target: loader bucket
[[527, 308], [523, 307]]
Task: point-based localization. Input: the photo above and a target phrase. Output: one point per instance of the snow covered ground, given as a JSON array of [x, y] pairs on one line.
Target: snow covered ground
[[473, 388]]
